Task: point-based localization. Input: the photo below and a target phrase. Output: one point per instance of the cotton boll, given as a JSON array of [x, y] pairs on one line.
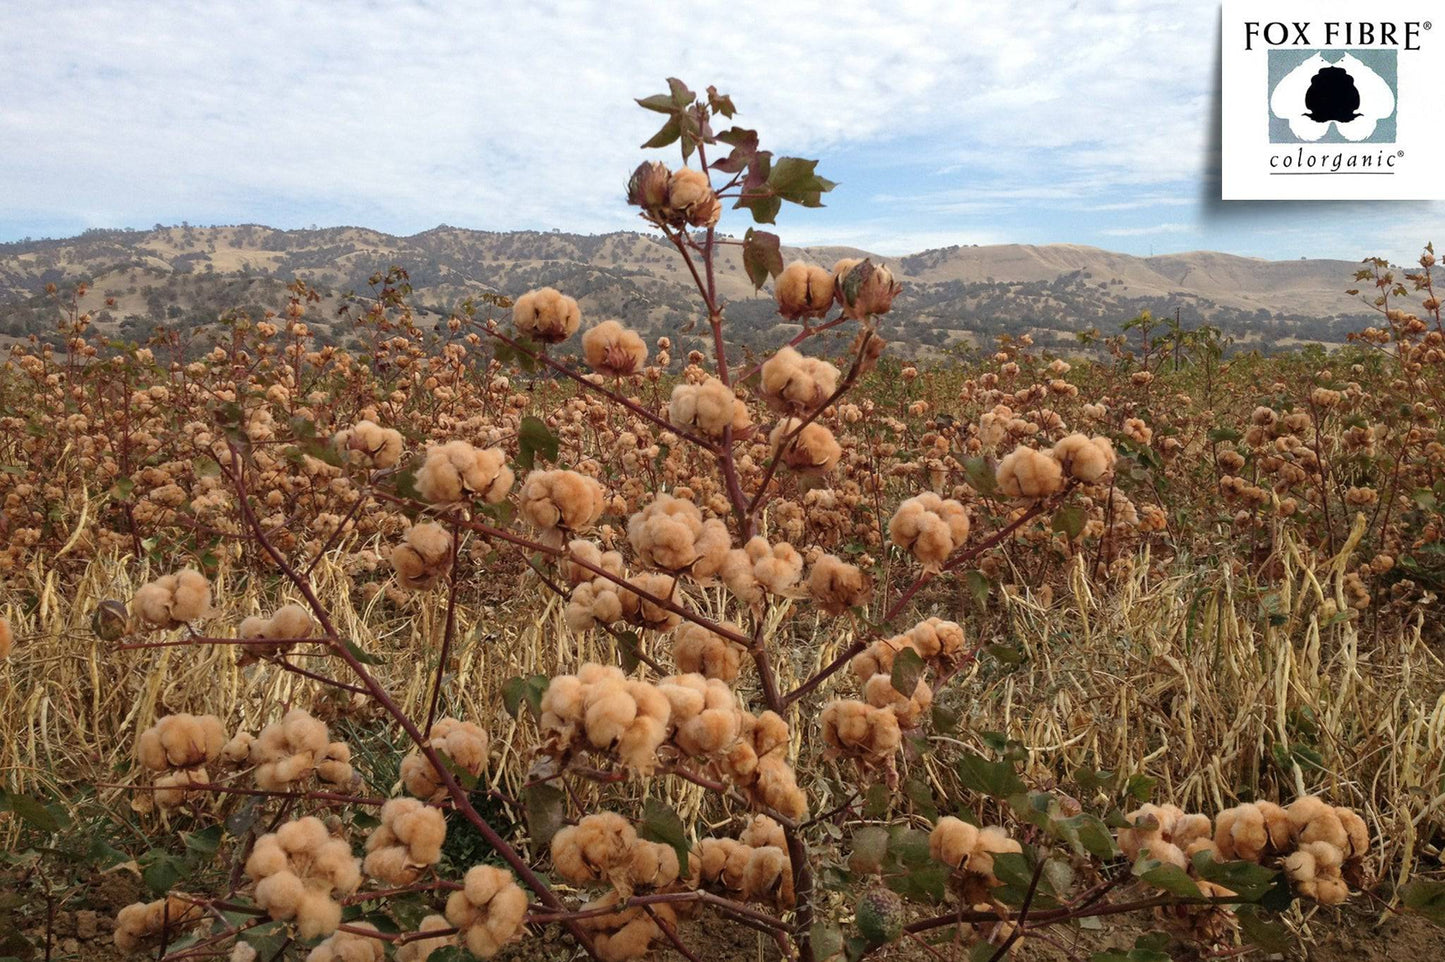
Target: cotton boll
[[367, 443], [456, 471], [709, 408], [173, 600], [1357, 832], [561, 500], [546, 315], [612, 349], [419, 950], [583, 550], [879, 692], [488, 911], [837, 586], [423, 557], [350, 946], [952, 841], [1028, 474], [803, 290], [809, 449], [992, 840], [1083, 458], [665, 533], [699, 650], [929, 527], [793, 383], [317, 914]]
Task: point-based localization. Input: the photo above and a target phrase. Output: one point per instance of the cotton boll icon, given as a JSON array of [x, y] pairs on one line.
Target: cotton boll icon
[[1346, 93]]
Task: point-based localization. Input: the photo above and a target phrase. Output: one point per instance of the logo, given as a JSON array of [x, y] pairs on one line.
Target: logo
[[1320, 103], [1332, 96]]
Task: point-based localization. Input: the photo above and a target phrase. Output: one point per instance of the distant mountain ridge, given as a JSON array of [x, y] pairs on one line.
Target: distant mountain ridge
[[187, 275]]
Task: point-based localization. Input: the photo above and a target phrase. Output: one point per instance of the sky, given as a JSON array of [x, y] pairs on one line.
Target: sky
[[1085, 122]]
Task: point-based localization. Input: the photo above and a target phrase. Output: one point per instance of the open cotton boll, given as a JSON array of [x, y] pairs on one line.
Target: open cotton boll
[[457, 471], [879, 692], [424, 556], [408, 840], [952, 841], [488, 910], [797, 384], [709, 408], [561, 500], [803, 290], [465, 743], [858, 729], [419, 950], [353, 946], [691, 196], [612, 349], [642, 611], [139, 922], [298, 871], [809, 450], [546, 315], [289, 623], [181, 741], [699, 650], [1028, 474], [1084, 458], [173, 600], [930, 528], [589, 552], [837, 586], [368, 443], [666, 533]]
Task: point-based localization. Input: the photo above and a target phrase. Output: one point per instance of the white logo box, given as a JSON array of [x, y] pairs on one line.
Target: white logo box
[[1321, 103]]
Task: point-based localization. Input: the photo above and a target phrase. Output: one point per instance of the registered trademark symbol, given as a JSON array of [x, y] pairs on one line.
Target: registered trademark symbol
[[1427, 25], [1400, 154]]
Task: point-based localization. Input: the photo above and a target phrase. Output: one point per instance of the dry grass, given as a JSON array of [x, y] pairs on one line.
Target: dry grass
[[1188, 680]]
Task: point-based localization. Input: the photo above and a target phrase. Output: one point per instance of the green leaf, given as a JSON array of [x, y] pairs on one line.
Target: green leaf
[[30, 810], [980, 476], [533, 438], [995, 779], [876, 800], [762, 256], [908, 847], [358, 654], [545, 807], [1224, 434], [908, 667], [204, 842], [161, 870], [661, 103], [1069, 521], [1263, 933], [793, 179], [978, 586], [661, 824], [870, 848], [1247, 880], [927, 883], [1427, 897], [1141, 786], [1170, 878], [529, 690], [920, 793], [668, 133]]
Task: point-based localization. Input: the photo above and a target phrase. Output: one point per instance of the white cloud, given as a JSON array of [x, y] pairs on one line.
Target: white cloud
[[401, 115], [1174, 228]]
